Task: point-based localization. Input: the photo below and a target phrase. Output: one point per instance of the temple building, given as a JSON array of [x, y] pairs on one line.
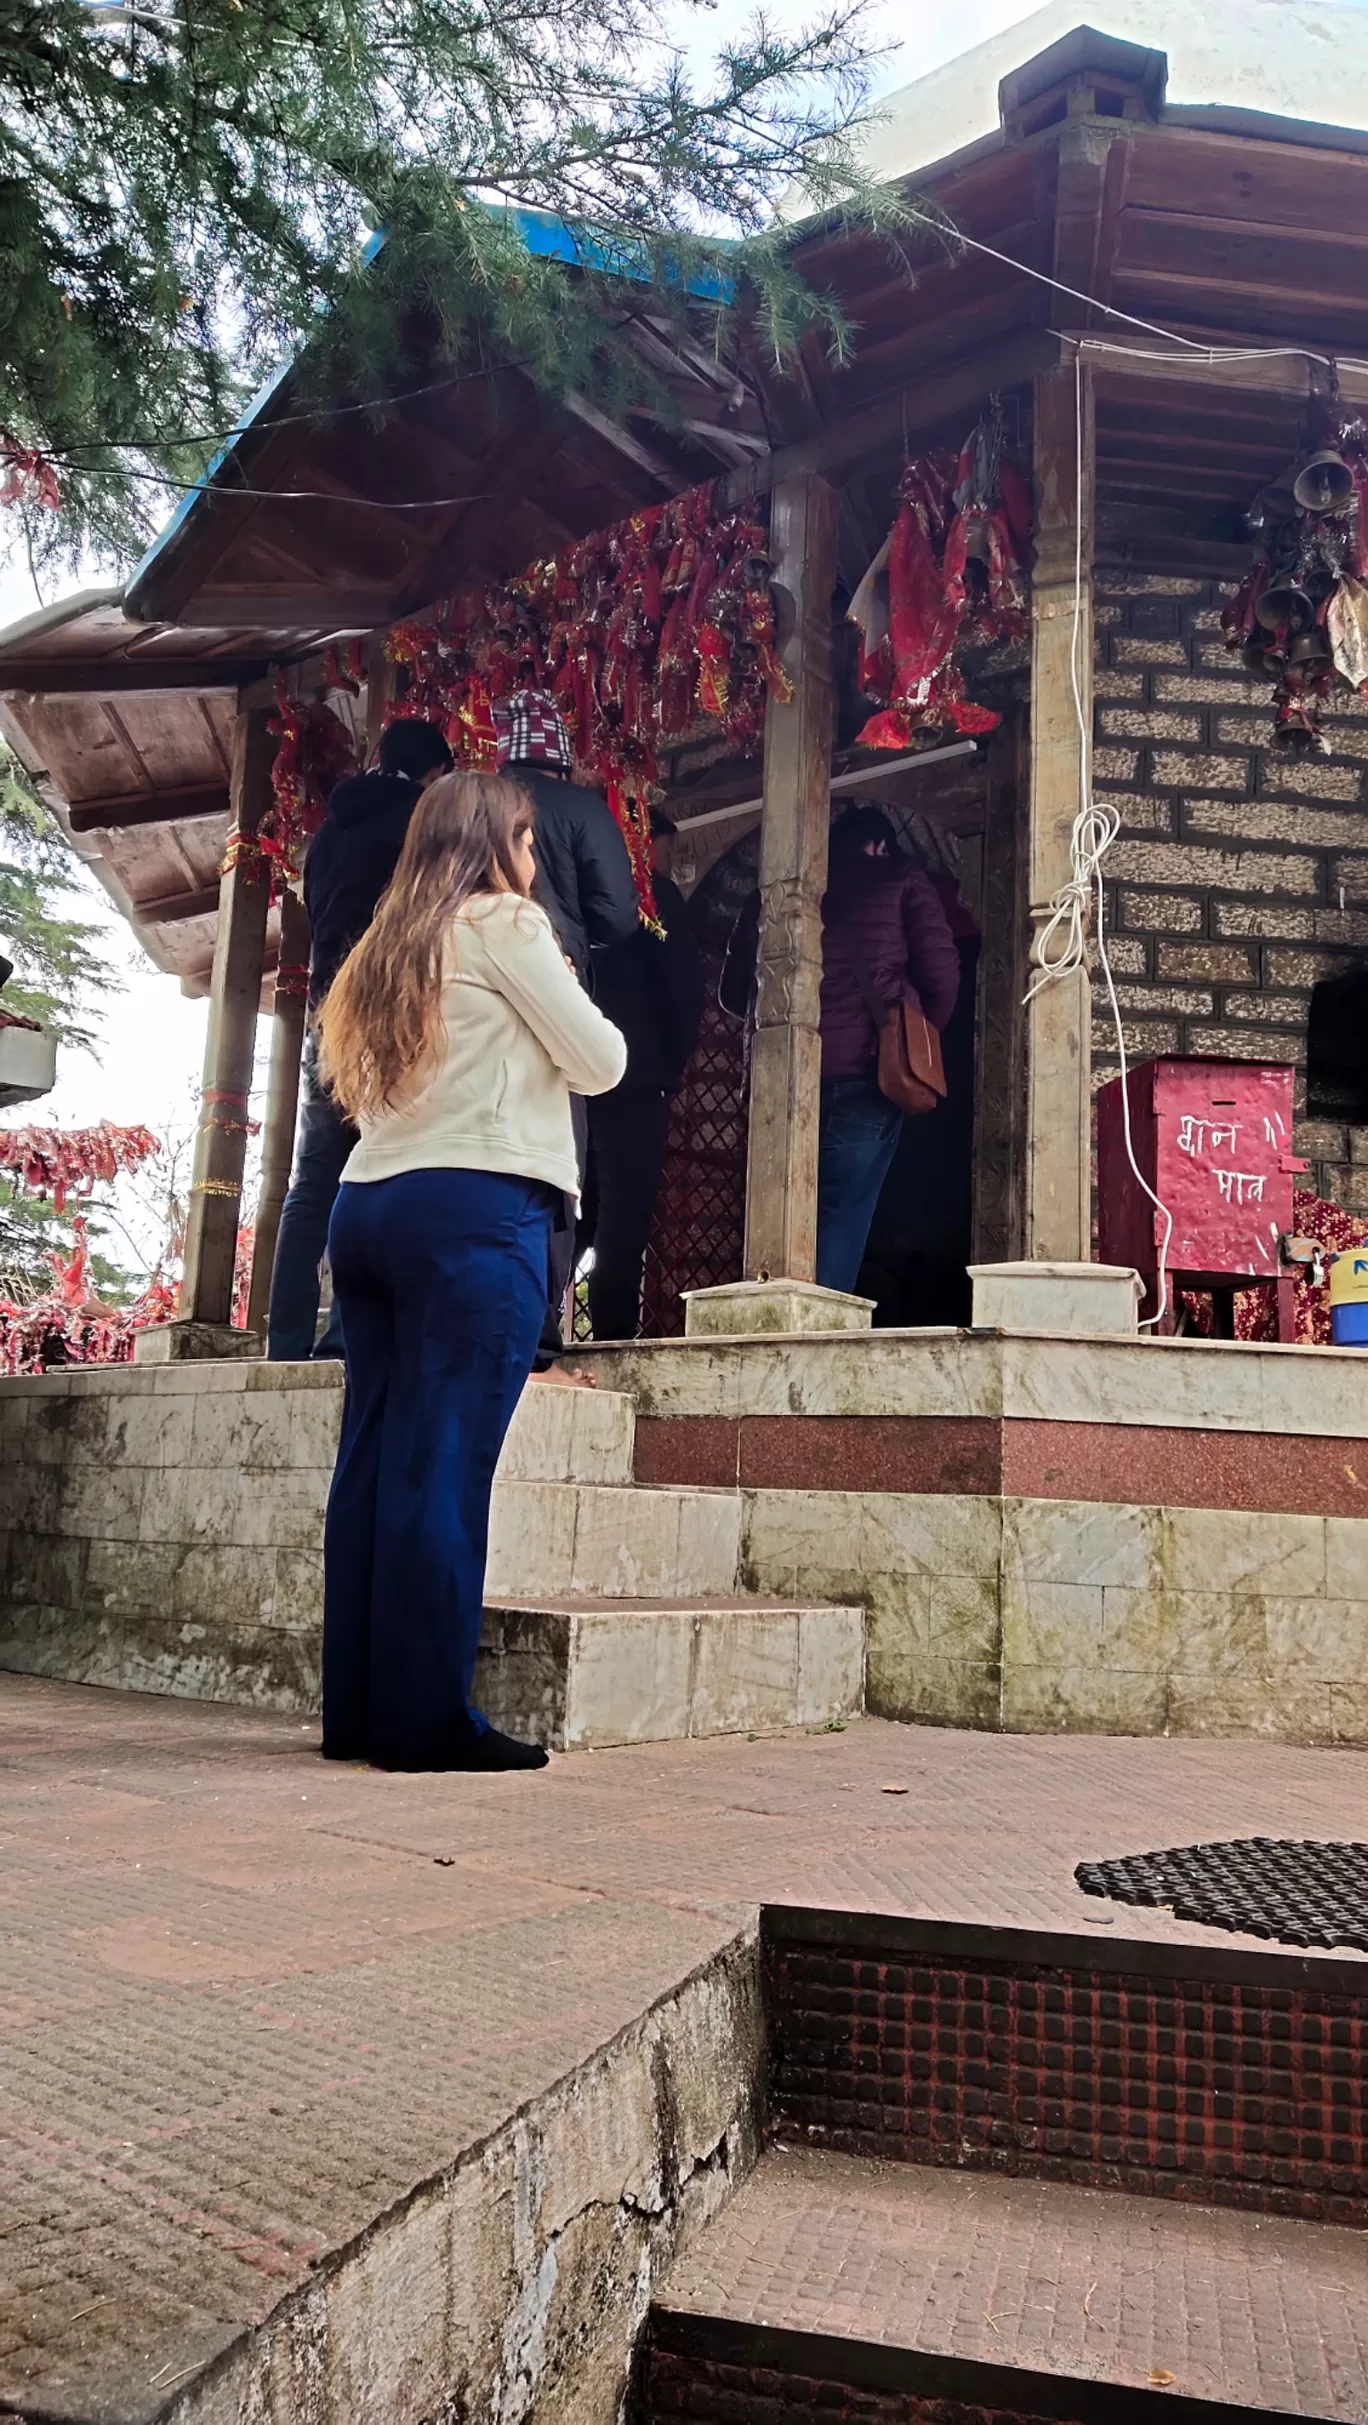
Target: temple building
[[1148, 307]]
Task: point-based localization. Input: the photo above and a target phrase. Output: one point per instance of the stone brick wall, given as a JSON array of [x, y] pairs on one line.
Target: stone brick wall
[[1240, 877]]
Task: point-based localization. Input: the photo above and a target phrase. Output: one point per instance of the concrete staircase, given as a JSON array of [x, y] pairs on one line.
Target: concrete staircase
[[613, 1611], [1021, 2177], [161, 1530]]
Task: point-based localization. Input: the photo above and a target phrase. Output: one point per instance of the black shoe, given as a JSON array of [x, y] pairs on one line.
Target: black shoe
[[486, 1753], [491, 1750]]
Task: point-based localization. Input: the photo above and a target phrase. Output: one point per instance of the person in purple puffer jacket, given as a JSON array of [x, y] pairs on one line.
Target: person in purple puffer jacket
[[883, 920]]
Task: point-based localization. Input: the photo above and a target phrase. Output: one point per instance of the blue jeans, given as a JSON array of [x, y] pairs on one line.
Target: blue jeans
[[323, 1141], [857, 1139], [441, 1278]]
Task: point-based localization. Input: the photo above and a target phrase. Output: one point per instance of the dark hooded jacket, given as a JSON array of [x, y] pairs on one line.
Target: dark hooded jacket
[[884, 919], [351, 859], [584, 876]]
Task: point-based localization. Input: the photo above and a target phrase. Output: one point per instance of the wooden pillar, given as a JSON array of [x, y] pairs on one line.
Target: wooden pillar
[[282, 1098], [781, 1171], [379, 692], [1059, 1016], [1000, 1076], [206, 1295]]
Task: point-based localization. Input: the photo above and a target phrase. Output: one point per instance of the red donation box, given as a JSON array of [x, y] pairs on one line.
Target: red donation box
[[1214, 1140]]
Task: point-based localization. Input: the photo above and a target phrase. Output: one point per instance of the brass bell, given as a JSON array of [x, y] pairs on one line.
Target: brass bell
[[1325, 484], [1285, 605], [1309, 648]]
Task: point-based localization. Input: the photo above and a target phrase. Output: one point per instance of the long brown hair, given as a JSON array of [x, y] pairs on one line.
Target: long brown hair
[[380, 1022]]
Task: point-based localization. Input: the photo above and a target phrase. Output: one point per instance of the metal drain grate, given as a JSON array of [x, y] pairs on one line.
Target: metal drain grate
[[1297, 1894]]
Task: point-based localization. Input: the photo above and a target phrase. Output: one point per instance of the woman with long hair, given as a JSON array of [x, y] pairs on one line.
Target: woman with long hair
[[452, 1036]]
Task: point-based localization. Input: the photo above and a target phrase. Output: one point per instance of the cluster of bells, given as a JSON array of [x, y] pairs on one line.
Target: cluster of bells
[[1292, 614], [1307, 1893], [1289, 610]]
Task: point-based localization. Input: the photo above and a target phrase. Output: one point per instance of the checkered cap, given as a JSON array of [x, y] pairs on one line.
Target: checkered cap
[[529, 730]]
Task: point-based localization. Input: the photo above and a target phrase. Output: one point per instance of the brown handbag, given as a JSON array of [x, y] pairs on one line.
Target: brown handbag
[[911, 1070]]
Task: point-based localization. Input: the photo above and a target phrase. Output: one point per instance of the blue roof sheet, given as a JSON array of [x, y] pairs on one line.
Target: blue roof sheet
[[544, 234]]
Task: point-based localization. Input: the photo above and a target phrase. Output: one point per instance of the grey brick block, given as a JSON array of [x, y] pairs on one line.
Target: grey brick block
[[1294, 821], [1171, 913], [1176, 770], [1213, 962]]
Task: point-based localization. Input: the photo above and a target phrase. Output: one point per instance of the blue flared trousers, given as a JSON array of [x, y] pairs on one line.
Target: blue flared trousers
[[440, 1278]]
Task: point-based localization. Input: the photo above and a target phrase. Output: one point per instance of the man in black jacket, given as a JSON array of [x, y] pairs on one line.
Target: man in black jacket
[[651, 988], [351, 860], [585, 884]]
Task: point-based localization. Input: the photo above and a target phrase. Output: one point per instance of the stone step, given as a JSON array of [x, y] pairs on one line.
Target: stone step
[[1221, 2072], [550, 1541], [585, 1673], [836, 2287], [569, 1435]]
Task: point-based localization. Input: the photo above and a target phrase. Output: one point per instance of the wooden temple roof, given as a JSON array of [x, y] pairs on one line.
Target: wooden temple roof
[[1221, 228]]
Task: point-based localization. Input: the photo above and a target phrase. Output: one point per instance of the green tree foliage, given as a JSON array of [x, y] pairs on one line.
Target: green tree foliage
[[191, 188], [59, 975], [59, 979]]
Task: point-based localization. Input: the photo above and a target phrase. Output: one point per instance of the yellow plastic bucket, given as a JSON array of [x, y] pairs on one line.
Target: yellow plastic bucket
[[1349, 1299]]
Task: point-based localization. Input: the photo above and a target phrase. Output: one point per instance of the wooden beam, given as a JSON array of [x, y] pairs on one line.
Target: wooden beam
[[324, 608], [148, 808], [31, 678], [206, 1296], [307, 674], [169, 909], [668, 476], [781, 1172], [915, 408], [1128, 357], [1058, 1016], [282, 1099]]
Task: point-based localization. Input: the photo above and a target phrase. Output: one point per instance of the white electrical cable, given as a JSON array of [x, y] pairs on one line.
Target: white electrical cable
[[1062, 943]]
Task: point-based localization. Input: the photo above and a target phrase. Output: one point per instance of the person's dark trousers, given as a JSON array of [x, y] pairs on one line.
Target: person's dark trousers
[[626, 1149], [857, 1140], [560, 1251], [441, 1278], [323, 1141]]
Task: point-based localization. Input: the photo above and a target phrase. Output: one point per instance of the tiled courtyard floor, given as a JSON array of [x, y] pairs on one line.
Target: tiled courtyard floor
[[247, 2000]]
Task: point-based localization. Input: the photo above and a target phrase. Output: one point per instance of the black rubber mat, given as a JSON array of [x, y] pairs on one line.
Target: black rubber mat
[[1296, 1894]]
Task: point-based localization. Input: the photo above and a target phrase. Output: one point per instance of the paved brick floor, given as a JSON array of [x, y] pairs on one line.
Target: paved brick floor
[[1084, 2282], [247, 2000]]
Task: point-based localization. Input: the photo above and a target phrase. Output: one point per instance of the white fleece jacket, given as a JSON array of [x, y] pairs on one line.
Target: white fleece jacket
[[519, 1034]]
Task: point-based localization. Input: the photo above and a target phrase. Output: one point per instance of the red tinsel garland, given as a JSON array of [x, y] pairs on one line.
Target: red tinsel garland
[[70, 1325], [314, 751], [62, 1162], [950, 576], [638, 631]]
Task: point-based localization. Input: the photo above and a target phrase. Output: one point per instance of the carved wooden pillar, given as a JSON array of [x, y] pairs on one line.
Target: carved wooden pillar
[[206, 1297], [781, 1174], [1000, 1109], [282, 1098], [1059, 1016]]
